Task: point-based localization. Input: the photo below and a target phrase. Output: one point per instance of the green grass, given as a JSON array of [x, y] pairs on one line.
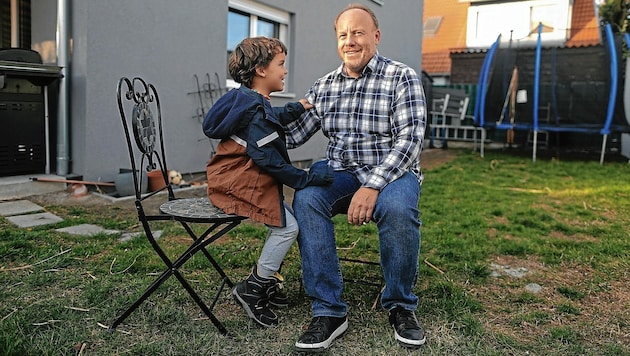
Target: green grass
[[561, 224]]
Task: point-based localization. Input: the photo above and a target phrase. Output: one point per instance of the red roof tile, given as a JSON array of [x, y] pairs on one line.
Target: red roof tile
[[584, 27], [450, 34]]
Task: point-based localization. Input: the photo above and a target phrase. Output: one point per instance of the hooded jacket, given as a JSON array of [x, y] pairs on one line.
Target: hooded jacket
[[251, 163]]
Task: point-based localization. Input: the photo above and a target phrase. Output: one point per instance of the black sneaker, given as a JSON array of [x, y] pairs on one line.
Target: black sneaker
[[407, 330], [321, 333], [276, 295], [251, 294]]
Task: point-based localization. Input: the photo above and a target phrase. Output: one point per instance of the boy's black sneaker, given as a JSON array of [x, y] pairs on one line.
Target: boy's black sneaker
[[321, 333], [407, 330], [251, 294], [276, 295]]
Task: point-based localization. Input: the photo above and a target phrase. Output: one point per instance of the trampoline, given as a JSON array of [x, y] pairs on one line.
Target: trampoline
[[580, 105]]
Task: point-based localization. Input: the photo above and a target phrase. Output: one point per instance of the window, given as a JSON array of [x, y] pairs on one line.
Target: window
[[248, 19], [431, 25], [545, 14]]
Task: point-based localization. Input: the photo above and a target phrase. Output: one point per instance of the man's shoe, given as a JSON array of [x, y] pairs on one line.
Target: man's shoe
[[276, 295], [407, 330], [251, 294], [321, 333]]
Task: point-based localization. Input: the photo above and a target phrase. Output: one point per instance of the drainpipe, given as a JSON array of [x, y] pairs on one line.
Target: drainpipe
[[63, 142], [15, 24]]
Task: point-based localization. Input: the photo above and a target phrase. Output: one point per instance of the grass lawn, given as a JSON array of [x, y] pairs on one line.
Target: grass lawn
[[517, 258]]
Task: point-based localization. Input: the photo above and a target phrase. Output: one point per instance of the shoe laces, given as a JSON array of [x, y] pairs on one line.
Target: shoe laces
[[279, 280], [317, 327], [407, 319]]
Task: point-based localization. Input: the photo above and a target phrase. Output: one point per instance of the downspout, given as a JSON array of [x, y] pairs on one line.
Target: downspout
[[63, 142], [15, 24]]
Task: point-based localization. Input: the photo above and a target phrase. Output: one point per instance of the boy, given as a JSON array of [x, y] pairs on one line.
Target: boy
[[246, 174]]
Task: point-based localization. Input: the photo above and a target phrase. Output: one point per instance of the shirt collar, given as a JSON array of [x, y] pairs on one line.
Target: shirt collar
[[369, 68]]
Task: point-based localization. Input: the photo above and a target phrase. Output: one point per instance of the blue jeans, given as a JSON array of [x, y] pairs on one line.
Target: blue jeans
[[397, 218]]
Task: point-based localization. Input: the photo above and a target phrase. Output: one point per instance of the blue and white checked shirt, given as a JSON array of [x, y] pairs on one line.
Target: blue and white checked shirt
[[375, 123]]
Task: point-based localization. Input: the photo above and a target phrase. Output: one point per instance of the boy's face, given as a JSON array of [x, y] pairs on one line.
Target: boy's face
[[273, 75]]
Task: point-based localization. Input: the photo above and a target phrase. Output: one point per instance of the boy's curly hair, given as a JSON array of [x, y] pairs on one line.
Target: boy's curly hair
[[251, 53]]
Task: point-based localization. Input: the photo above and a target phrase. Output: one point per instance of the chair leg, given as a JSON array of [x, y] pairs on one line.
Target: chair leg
[[163, 277], [199, 244], [380, 284], [378, 297], [207, 241], [201, 304]]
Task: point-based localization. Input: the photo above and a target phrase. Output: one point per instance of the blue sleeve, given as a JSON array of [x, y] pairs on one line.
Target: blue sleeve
[[266, 147], [288, 113]]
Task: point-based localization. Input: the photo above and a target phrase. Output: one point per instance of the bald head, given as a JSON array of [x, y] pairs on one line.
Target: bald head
[[359, 7]]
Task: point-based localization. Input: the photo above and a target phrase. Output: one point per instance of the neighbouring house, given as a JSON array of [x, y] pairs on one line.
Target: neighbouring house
[[181, 47], [470, 27], [575, 77]]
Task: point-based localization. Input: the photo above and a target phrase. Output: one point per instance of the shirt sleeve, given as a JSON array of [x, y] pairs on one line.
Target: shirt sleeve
[[408, 122], [301, 130]]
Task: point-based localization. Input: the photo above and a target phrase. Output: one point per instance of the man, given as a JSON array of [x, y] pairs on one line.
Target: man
[[373, 111]]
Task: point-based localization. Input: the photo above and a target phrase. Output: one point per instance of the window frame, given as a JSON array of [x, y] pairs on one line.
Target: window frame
[[432, 25], [255, 11]]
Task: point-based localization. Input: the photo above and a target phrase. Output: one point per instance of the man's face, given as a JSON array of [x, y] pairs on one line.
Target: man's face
[[357, 37]]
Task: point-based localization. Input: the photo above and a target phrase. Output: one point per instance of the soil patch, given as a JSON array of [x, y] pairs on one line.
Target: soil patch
[[435, 157]]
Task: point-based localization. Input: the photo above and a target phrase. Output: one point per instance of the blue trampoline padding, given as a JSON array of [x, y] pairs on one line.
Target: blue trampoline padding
[[483, 84]]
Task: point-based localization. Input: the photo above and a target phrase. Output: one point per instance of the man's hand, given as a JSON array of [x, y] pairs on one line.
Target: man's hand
[[362, 206]]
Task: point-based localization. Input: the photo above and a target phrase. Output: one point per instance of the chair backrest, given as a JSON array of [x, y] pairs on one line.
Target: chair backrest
[[439, 103], [451, 103], [457, 102], [458, 105], [141, 116]]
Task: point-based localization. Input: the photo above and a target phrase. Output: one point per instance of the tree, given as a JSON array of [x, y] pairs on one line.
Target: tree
[[616, 13]]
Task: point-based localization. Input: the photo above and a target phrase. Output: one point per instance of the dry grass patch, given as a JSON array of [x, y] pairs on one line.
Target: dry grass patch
[[572, 296]]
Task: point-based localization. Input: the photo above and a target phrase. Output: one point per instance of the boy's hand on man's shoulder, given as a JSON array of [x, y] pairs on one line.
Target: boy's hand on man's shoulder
[[306, 104]]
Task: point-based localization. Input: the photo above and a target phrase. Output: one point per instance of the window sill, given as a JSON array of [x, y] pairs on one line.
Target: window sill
[[283, 95]]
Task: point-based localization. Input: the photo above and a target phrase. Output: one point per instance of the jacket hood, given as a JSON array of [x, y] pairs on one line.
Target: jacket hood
[[232, 112]]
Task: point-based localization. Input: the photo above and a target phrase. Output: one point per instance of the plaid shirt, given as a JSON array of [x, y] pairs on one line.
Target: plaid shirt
[[375, 123]]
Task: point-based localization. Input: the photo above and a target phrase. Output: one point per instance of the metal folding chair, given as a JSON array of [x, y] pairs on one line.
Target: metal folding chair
[[140, 112]]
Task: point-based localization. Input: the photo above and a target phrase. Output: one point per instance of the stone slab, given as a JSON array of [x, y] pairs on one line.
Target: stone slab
[[128, 236], [31, 220], [86, 230], [18, 207]]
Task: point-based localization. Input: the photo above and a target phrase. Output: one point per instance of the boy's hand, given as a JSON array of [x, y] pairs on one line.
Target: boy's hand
[[306, 104]]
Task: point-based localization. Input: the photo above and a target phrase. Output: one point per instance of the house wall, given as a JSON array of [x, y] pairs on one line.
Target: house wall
[[486, 20], [168, 42]]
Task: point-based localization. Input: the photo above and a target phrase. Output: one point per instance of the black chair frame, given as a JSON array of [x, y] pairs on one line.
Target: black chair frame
[[144, 138]]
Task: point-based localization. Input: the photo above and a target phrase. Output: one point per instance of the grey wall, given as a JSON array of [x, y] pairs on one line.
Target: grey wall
[[168, 42]]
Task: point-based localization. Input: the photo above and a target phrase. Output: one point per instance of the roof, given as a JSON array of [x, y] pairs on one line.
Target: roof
[[584, 27], [451, 33]]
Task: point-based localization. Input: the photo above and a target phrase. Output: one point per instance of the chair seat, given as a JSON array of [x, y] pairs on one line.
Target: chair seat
[[196, 210]]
